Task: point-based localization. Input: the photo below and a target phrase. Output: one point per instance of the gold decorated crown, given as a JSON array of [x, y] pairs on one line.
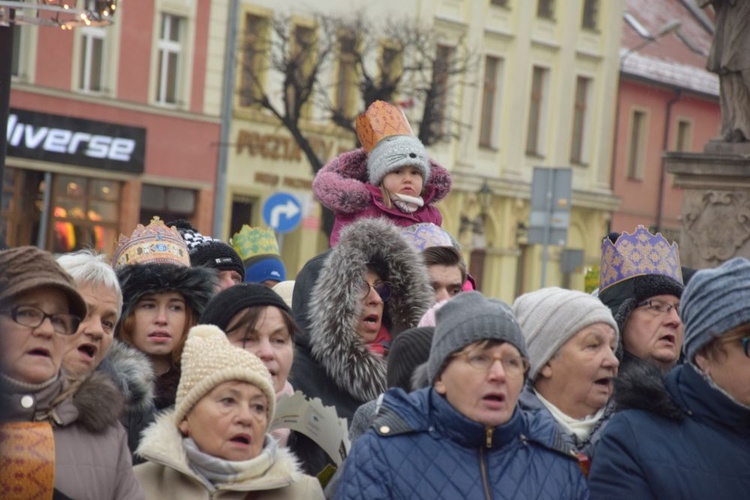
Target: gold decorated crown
[[638, 254], [152, 244], [252, 241], [381, 120]]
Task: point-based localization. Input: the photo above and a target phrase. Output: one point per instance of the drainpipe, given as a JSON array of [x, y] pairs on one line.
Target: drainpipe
[[663, 168]]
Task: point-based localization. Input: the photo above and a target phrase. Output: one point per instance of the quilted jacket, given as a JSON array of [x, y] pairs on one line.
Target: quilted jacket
[[422, 447], [680, 438]]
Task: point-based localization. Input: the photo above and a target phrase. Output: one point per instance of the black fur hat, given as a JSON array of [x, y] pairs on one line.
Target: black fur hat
[[206, 251], [195, 284]]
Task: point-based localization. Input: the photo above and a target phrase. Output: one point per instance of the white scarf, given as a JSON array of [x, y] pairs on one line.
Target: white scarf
[[580, 428], [214, 471], [407, 204]]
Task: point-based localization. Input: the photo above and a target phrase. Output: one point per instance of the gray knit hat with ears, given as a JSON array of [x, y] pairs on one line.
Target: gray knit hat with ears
[[715, 302], [394, 152], [467, 318], [551, 316]]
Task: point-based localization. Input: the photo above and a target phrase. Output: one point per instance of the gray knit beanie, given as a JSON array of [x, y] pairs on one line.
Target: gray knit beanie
[[467, 318], [715, 302], [551, 316], [394, 152]]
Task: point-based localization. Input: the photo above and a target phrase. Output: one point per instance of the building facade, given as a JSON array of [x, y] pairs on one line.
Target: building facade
[[112, 125]]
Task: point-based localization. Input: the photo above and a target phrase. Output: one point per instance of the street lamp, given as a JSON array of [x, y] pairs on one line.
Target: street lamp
[[485, 198]]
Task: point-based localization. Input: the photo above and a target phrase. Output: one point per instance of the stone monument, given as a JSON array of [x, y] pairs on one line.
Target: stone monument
[[716, 183]]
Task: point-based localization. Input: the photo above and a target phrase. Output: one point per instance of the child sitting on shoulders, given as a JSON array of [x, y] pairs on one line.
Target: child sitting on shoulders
[[390, 176]]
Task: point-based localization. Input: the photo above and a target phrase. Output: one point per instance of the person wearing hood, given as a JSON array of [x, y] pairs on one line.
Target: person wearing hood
[[687, 435], [571, 339], [371, 287], [641, 282], [391, 176], [464, 435], [213, 444], [61, 437], [95, 347], [163, 297]]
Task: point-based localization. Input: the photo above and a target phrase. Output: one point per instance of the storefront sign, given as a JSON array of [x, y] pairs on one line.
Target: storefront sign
[[75, 141], [280, 147]]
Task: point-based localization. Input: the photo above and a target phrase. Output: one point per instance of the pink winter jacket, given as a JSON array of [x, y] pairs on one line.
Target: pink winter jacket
[[341, 185]]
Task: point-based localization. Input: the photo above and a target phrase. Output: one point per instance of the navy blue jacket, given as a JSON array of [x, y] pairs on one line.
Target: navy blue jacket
[[688, 440], [422, 447]]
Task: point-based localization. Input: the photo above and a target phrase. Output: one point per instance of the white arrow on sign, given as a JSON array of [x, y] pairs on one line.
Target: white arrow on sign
[[290, 209]]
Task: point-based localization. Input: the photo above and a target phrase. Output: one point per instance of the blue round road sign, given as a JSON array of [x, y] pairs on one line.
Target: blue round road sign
[[282, 212]]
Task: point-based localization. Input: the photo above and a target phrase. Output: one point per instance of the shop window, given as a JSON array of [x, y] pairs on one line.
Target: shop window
[[242, 213], [170, 59], [84, 214], [167, 203]]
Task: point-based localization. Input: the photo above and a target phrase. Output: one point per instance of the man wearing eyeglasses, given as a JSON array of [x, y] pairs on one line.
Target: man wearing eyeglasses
[[644, 297]]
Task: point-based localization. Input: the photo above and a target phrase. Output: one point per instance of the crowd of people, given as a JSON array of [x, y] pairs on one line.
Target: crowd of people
[[166, 369]]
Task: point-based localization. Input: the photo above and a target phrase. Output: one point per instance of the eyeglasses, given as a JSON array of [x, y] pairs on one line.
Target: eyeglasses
[[659, 307], [512, 365], [33, 317], [383, 288], [746, 346]]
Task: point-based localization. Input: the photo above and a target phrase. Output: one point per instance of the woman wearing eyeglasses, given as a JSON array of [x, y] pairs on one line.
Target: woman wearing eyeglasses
[[688, 435], [62, 435], [464, 436], [372, 286]]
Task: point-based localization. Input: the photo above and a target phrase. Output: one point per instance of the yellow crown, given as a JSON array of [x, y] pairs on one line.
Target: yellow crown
[[381, 120], [252, 241], [638, 254], [153, 244]]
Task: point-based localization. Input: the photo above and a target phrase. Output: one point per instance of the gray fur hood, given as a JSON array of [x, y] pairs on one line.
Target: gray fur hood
[[335, 303], [132, 373]]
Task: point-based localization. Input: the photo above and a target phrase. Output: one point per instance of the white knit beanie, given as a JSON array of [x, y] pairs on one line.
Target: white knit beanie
[[208, 360], [551, 316]]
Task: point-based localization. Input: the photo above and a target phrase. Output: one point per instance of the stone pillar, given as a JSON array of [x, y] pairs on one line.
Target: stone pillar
[[716, 203]]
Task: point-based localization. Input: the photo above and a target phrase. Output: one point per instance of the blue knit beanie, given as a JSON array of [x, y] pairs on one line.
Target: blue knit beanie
[[715, 302], [264, 267]]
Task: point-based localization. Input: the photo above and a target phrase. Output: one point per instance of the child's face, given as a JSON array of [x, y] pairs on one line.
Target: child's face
[[405, 180]]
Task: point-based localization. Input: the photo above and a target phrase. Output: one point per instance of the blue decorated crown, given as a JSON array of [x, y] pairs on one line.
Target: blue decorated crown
[[638, 254]]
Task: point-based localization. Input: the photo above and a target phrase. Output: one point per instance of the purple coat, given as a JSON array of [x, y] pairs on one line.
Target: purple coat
[[341, 185]]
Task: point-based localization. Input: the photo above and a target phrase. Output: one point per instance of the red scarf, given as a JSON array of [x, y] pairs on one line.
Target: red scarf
[[382, 342]]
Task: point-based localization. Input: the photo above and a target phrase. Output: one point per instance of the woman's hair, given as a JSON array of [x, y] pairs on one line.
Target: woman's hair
[[87, 266], [251, 315], [125, 330], [716, 350]]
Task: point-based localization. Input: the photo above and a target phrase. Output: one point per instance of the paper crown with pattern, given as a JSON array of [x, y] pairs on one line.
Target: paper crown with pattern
[[638, 254], [252, 241], [381, 120], [426, 234], [152, 244]]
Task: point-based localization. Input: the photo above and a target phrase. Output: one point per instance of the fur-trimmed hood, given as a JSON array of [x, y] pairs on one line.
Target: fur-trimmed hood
[[132, 373], [341, 184], [162, 444], [336, 304], [195, 284], [640, 386]]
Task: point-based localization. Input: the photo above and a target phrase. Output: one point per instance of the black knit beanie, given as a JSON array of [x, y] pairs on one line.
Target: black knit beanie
[[227, 303], [205, 251], [408, 350], [623, 297]]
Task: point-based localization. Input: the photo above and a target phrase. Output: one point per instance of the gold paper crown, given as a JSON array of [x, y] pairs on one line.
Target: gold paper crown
[[638, 254], [153, 244], [252, 241], [381, 120]]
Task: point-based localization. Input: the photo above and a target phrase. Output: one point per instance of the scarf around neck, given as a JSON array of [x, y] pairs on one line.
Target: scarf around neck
[[407, 204], [580, 428], [213, 471]]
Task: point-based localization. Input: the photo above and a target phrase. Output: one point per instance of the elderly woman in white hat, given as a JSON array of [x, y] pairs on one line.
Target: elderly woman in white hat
[[571, 339], [213, 444]]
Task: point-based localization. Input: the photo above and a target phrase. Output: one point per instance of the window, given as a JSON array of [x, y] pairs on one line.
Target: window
[[390, 65], [169, 61], [536, 109], [168, 203], [15, 65], [637, 145], [441, 87], [490, 89], [499, 3], [684, 135], [346, 83], [303, 56], [580, 111], [545, 9], [590, 19], [90, 78], [253, 52]]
